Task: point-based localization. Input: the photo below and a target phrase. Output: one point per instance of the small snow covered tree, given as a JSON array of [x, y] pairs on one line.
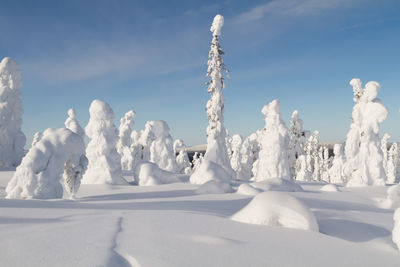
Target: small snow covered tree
[[146, 138], [273, 159], [302, 172], [124, 142], [182, 159], [104, 161], [59, 153], [336, 172], [216, 156], [36, 138], [367, 162], [396, 229], [325, 164], [392, 164], [161, 149], [12, 139], [236, 160], [72, 124], [246, 160], [296, 143], [384, 147]]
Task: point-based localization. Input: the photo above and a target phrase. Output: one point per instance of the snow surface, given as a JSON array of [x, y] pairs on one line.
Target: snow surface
[[277, 209], [330, 188], [396, 229], [170, 225]]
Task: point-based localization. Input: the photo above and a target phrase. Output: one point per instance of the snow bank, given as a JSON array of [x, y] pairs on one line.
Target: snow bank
[[207, 171], [277, 209], [396, 229], [277, 184], [39, 175], [246, 189], [214, 187], [104, 160], [12, 139], [392, 200], [148, 173], [330, 188]]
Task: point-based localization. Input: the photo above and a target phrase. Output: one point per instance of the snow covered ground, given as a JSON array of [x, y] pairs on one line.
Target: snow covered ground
[[170, 225]]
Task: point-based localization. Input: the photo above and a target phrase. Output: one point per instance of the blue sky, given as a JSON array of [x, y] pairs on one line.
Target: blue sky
[[150, 56]]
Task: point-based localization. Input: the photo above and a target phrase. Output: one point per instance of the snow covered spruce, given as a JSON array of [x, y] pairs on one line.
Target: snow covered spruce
[[215, 164], [104, 161], [60, 153], [12, 139]]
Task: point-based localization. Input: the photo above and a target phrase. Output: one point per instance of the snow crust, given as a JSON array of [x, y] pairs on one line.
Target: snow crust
[[277, 209], [104, 161], [12, 139], [60, 152]]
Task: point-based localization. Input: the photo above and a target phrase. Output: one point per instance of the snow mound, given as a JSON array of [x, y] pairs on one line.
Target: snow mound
[[246, 189], [396, 229], [148, 173], [214, 187], [277, 184], [393, 198], [208, 171], [277, 209], [330, 188]]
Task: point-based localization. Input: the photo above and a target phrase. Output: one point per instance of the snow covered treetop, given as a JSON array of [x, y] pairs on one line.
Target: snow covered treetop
[[160, 129], [217, 24], [371, 90], [100, 110], [272, 108], [71, 113], [10, 74]]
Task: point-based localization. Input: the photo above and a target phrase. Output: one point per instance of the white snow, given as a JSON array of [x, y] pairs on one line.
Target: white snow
[[336, 171], [217, 24], [330, 188], [39, 175], [148, 173], [12, 139], [277, 209], [277, 184], [72, 124], [248, 190], [214, 187], [396, 229], [124, 144]]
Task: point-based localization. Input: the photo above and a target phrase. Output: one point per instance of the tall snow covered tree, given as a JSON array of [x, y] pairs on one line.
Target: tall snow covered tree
[[384, 147], [273, 159], [104, 161], [368, 113], [216, 156], [392, 164], [297, 140], [125, 140], [12, 139], [72, 124]]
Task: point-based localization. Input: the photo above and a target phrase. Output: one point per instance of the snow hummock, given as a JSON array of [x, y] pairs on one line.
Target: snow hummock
[[330, 188], [148, 173], [104, 161], [214, 187], [396, 229], [392, 200], [207, 171], [277, 209], [39, 175], [12, 139], [277, 184], [72, 124], [273, 159], [247, 189]]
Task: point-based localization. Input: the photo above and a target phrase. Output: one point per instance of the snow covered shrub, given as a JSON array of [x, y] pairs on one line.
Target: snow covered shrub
[[36, 138], [12, 139], [392, 164], [336, 172], [277, 209], [325, 160], [145, 140], [182, 159], [396, 229], [384, 147], [247, 158], [363, 149], [302, 172], [216, 153], [60, 152], [104, 160], [72, 124], [161, 149], [236, 145], [273, 159], [296, 140], [125, 142]]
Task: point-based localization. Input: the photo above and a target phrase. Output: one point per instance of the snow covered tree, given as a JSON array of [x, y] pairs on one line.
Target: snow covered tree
[[36, 138], [146, 138], [59, 153], [302, 172], [216, 156], [12, 139], [384, 147], [246, 160], [72, 124], [236, 160], [367, 161], [161, 149], [336, 172], [273, 159], [297, 140], [325, 165], [182, 159], [104, 161], [124, 142], [392, 164]]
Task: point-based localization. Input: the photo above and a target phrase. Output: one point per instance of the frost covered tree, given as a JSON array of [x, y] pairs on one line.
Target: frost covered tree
[[104, 161], [392, 164], [302, 172], [72, 124], [384, 147], [36, 138], [273, 159], [125, 141], [365, 153], [59, 153], [336, 171], [12, 139], [161, 149], [297, 140], [325, 164], [146, 138], [236, 159], [216, 164], [182, 159], [396, 229], [246, 160]]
